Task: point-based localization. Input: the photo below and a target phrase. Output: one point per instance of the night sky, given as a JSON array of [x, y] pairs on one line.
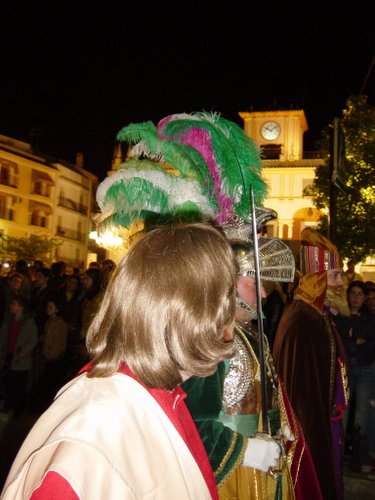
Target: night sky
[[73, 74]]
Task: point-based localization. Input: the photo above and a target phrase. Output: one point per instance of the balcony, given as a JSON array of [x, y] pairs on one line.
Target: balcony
[[41, 190], [313, 155], [70, 233], [72, 205], [6, 181], [7, 214]]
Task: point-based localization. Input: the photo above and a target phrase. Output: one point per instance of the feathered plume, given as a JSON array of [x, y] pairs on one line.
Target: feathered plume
[[141, 190], [186, 161], [198, 163], [232, 158]]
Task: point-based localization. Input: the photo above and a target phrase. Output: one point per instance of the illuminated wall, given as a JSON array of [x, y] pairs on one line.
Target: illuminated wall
[[42, 197]]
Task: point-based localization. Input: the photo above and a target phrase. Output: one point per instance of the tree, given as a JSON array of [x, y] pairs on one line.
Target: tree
[[355, 233], [33, 247]]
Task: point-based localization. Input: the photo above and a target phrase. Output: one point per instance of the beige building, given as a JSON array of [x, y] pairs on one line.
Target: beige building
[[286, 168], [43, 196]]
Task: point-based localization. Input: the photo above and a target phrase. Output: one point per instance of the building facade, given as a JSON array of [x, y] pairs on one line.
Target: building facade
[[287, 169], [42, 196]]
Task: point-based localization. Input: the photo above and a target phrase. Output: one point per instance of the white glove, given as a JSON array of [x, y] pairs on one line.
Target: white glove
[[287, 433], [262, 454]]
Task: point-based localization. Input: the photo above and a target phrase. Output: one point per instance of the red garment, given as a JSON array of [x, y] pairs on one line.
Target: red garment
[[14, 330], [175, 408], [302, 470], [56, 487]]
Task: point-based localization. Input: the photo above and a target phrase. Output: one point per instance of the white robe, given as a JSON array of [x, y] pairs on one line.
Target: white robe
[[109, 439]]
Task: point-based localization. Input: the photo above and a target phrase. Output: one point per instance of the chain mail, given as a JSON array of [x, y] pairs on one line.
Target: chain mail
[[242, 382]]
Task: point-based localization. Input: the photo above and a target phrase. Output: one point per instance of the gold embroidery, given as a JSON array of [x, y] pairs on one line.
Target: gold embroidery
[[237, 463], [227, 455], [333, 361], [284, 420], [345, 381]]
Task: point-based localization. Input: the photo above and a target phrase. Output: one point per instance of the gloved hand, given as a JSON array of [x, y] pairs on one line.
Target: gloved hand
[[262, 453], [287, 433]]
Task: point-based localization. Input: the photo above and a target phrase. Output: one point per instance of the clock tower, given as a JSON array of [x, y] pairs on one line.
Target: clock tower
[[278, 133], [287, 169]]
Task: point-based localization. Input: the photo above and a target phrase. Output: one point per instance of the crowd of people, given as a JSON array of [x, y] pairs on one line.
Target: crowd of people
[[171, 390], [45, 314]]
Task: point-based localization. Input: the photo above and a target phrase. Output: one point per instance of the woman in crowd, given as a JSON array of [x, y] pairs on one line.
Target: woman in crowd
[[18, 339]]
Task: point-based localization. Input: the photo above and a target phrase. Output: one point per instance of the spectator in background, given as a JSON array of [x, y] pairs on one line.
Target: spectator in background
[[39, 297], [9, 288], [57, 279], [72, 307], [369, 285], [38, 264], [363, 331], [18, 339], [63, 266], [350, 275], [90, 301], [53, 352], [273, 308], [94, 265], [370, 300], [345, 324], [23, 268], [107, 268], [72, 317], [93, 295]]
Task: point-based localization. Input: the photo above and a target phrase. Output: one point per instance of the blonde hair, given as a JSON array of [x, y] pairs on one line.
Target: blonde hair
[[166, 307]]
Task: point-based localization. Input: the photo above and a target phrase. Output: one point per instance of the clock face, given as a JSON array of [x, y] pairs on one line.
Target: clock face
[[270, 131]]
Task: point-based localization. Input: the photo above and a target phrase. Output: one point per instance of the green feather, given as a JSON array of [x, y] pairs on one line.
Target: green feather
[[235, 154], [186, 160], [135, 132], [132, 199]]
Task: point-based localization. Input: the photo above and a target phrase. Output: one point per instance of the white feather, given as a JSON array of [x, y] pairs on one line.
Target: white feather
[[178, 190]]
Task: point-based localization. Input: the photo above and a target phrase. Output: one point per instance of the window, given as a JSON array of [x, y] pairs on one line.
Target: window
[[270, 151], [6, 208], [38, 218], [41, 188], [42, 182], [8, 172]]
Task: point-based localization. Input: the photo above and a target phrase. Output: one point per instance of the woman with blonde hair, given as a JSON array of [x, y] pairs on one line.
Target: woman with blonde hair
[[121, 428]]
